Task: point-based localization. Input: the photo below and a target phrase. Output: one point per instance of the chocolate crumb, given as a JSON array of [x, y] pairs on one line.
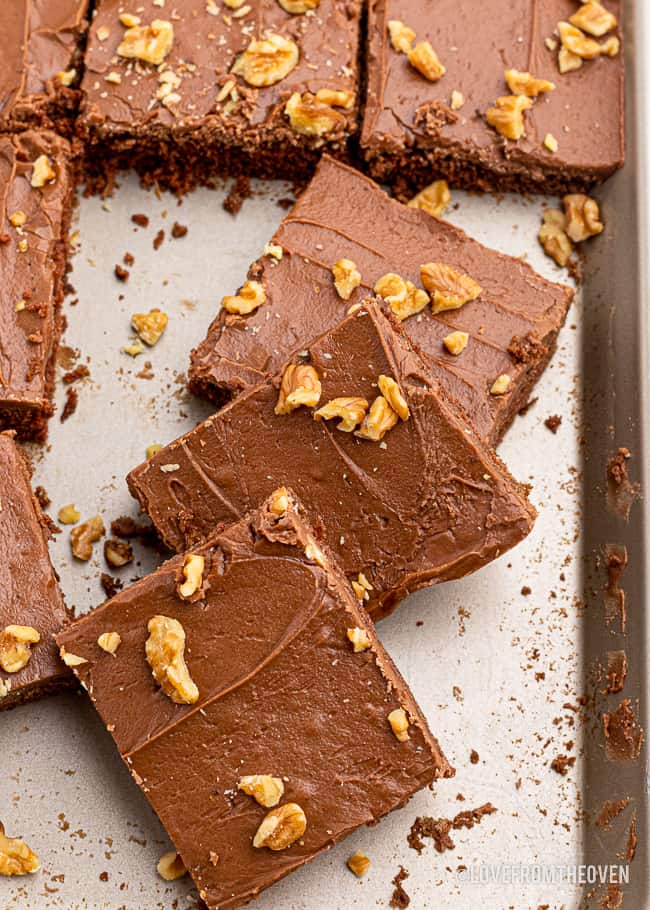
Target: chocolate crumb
[[42, 496], [611, 809], [70, 406], [103, 876], [553, 422], [79, 372], [126, 528], [623, 735], [178, 230], [128, 259], [158, 239], [400, 898], [526, 591], [240, 190], [621, 493], [616, 671], [524, 409], [438, 829], [562, 763], [632, 841], [110, 585], [121, 273], [140, 220], [613, 899], [474, 757]]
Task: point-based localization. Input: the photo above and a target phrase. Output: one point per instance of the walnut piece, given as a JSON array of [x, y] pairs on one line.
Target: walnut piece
[[456, 342], [401, 295], [347, 277], [70, 659], [150, 43], [16, 858], [507, 115], [266, 790], [359, 639], [457, 100], [378, 421], [15, 647], [399, 724], [266, 61], [300, 386], [350, 410], [551, 143], [193, 568], [251, 296], [524, 84], [433, 199], [336, 97], [17, 219], [150, 326], [170, 866], [165, 650], [280, 501], [358, 863], [553, 237], [109, 641], [281, 827], [42, 172], [391, 391], [296, 7], [361, 587], [84, 536], [568, 62], [311, 117], [594, 19], [577, 42], [401, 36], [424, 59], [128, 20], [118, 553], [449, 288], [582, 217], [68, 515], [500, 385]]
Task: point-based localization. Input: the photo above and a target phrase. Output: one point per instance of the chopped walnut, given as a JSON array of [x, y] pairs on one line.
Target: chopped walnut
[[118, 553], [361, 587], [165, 652], [500, 385], [296, 7], [551, 143], [378, 421], [150, 326], [336, 97], [449, 288], [358, 863], [507, 116], [456, 342], [611, 47], [70, 659], [170, 866], [401, 36], [266, 790], [347, 277], [594, 19], [300, 386], [67, 77], [251, 296], [193, 568], [84, 536], [153, 450], [150, 43], [15, 647], [312, 117], [577, 42], [457, 100], [582, 217], [109, 641], [267, 61], [402, 296], [553, 237], [17, 219], [524, 84], [359, 639], [393, 395], [399, 724], [568, 62], [68, 515], [42, 172], [424, 59], [314, 553], [433, 199], [281, 827], [16, 858], [280, 501], [350, 410]]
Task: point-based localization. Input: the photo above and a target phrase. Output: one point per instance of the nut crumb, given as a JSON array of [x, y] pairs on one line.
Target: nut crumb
[[399, 724]]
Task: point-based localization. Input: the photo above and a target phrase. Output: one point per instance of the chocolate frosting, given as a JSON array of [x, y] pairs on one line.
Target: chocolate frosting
[[343, 214], [281, 692], [476, 44], [32, 287], [429, 503], [29, 593]]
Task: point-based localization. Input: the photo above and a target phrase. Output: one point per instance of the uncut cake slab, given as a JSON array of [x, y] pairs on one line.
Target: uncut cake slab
[[98, 840]]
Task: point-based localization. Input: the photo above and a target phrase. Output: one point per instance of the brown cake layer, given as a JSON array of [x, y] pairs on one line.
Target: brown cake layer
[[427, 503], [412, 134], [33, 247], [513, 325], [29, 591], [281, 692], [206, 128], [40, 63]]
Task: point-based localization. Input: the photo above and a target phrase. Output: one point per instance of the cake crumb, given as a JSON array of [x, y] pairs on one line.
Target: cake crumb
[[400, 898]]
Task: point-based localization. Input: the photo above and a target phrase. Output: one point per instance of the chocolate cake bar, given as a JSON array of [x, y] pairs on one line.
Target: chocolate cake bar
[[37, 193], [390, 472], [516, 95], [512, 325], [253, 704], [40, 50], [31, 603], [233, 87]]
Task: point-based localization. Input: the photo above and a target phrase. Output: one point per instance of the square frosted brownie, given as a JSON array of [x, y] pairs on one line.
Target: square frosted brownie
[[420, 123], [40, 50], [35, 211], [248, 694], [512, 325], [262, 87], [31, 603], [402, 501]]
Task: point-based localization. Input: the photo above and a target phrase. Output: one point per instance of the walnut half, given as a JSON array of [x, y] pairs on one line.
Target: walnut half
[[16, 858], [378, 421], [281, 827], [15, 647], [449, 288], [350, 410], [267, 61], [165, 653], [300, 386], [553, 237], [582, 217]]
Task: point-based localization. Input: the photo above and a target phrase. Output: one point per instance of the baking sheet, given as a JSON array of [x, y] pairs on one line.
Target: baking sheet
[[495, 670]]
